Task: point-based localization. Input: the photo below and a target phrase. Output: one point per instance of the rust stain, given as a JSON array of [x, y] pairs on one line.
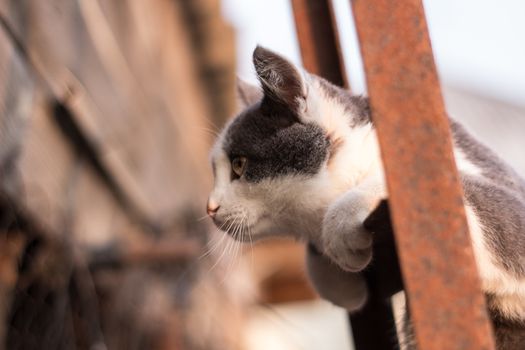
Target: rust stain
[[437, 262], [318, 39]]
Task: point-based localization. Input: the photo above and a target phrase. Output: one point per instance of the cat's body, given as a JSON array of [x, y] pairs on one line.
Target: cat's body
[[302, 159]]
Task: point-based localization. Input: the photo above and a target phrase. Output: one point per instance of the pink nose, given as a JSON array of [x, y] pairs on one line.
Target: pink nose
[[212, 207]]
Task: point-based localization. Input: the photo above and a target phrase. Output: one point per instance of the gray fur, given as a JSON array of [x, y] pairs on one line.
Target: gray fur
[[269, 132], [494, 169], [502, 213], [351, 291], [275, 143], [498, 198], [281, 82]]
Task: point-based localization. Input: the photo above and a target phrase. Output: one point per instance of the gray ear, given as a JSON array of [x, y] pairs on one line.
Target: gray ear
[[281, 81], [248, 94]]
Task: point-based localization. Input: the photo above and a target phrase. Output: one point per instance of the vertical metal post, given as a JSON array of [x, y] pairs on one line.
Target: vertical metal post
[[372, 327], [318, 39], [447, 307]]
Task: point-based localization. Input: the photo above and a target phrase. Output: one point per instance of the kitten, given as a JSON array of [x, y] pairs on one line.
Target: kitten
[[302, 159]]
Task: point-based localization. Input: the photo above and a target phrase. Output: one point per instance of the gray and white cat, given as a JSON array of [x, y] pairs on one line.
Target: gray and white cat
[[302, 159]]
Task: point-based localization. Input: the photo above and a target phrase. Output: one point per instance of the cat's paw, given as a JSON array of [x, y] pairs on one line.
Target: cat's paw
[[344, 239], [342, 288]]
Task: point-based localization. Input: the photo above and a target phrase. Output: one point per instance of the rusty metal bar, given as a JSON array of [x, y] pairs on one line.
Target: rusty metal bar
[[437, 263], [318, 39], [373, 327]]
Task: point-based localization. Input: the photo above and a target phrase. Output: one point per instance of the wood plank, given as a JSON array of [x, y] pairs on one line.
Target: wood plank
[[40, 172], [16, 96], [44, 169], [133, 92], [34, 161], [141, 109]]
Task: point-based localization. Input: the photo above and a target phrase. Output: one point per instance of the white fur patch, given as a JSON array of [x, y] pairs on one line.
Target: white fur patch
[[359, 157], [464, 165], [508, 290]]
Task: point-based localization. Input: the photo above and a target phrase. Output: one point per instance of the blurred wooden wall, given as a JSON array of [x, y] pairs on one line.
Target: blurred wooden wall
[[107, 112]]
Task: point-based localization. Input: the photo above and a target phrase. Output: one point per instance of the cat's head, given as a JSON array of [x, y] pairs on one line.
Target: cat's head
[[299, 143]]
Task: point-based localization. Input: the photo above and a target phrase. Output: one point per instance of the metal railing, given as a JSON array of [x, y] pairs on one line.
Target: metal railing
[[439, 275]]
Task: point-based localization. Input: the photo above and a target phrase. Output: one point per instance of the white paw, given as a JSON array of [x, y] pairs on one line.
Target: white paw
[[344, 239]]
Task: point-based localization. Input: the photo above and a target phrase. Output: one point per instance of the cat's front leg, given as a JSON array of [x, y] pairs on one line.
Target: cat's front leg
[[342, 288], [344, 239]]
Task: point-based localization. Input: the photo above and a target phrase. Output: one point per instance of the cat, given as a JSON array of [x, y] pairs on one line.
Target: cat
[[302, 159]]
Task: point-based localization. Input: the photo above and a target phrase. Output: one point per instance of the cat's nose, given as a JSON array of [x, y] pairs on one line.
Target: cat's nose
[[212, 207]]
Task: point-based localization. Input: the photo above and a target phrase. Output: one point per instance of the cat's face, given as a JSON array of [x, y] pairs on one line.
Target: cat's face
[[285, 157]]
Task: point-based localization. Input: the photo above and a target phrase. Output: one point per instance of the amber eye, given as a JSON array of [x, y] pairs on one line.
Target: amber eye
[[238, 165]]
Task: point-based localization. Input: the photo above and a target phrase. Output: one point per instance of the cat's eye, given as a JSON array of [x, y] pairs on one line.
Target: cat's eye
[[238, 166]]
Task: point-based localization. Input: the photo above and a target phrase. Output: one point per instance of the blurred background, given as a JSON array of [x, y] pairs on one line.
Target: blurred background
[[107, 112]]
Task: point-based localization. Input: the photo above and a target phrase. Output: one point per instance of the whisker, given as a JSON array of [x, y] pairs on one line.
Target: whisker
[[212, 125], [251, 243], [210, 132], [227, 247], [202, 218], [214, 246], [235, 249]]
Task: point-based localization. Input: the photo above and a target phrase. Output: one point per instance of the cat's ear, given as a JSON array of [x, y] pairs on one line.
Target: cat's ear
[[247, 94], [281, 81]]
